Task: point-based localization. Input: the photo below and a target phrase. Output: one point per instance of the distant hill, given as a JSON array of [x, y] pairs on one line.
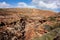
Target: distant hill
[[32, 13], [29, 11]]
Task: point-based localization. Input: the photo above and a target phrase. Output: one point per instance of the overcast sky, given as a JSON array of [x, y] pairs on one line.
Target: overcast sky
[[40, 4]]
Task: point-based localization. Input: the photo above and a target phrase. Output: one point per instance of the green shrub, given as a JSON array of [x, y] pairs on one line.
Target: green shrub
[[51, 18], [48, 27], [49, 36], [51, 27]]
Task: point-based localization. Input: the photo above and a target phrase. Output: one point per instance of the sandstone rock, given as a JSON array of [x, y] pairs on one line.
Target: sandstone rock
[[23, 23]]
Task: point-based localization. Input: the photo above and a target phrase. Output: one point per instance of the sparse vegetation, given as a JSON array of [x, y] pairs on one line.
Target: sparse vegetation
[[27, 24], [52, 18], [51, 27], [49, 36]]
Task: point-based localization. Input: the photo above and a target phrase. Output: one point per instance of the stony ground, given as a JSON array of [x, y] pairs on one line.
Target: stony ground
[[28, 24]]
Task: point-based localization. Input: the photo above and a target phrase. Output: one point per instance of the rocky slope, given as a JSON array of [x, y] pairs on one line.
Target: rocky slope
[[25, 23]]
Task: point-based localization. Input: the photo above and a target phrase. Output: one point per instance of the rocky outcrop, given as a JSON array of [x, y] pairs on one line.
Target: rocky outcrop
[[23, 24]]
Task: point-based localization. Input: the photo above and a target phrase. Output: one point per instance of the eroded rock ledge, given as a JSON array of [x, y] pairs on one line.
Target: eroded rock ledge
[[15, 25]]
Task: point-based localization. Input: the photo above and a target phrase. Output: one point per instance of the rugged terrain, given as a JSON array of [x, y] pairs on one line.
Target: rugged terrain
[[29, 24]]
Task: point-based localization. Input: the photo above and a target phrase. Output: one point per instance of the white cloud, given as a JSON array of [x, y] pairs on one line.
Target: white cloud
[[4, 5], [24, 5], [18, 5], [49, 4]]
